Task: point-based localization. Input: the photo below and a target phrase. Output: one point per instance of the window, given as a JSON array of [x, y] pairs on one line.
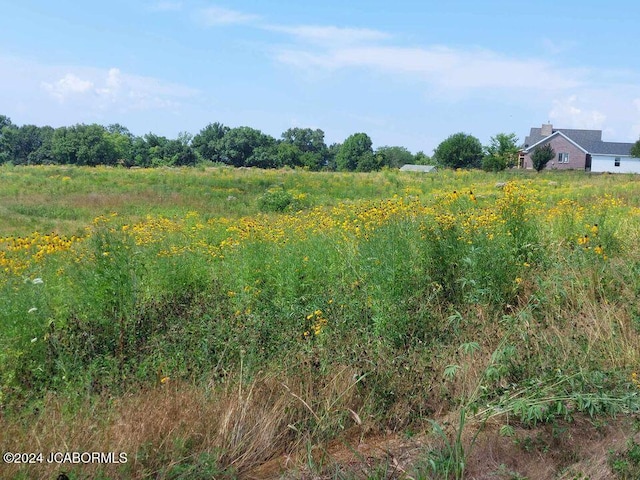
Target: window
[[563, 158], [617, 162]]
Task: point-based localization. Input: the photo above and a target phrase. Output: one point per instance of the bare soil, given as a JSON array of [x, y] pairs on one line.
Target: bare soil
[[578, 450]]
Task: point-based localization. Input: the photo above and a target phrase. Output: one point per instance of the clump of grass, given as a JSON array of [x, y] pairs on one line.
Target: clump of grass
[[179, 428], [280, 200]]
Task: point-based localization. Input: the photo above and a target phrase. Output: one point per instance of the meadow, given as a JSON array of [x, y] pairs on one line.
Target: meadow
[[210, 321]]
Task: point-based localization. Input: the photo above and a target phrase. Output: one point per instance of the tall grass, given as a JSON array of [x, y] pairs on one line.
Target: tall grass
[[205, 336]]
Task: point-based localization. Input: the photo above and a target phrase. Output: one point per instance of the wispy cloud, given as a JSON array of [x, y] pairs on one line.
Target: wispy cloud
[[217, 16], [443, 66], [576, 97], [571, 112]]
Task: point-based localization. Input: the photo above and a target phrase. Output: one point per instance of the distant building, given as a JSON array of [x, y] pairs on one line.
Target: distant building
[[408, 167], [580, 150]]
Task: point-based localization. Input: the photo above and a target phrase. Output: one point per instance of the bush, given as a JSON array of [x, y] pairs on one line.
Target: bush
[[281, 200], [493, 163], [541, 156]]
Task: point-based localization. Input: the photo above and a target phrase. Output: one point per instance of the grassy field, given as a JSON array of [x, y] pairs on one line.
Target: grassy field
[[210, 322]]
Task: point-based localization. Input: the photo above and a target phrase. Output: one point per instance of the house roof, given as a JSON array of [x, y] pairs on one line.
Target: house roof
[[408, 167], [588, 140], [556, 134], [581, 137], [612, 148]]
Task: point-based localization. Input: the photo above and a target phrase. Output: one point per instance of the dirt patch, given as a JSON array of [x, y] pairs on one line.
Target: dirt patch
[[577, 450]]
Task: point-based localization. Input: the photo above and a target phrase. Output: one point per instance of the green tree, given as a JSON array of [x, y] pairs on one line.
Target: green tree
[[501, 153], [422, 158], [459, 151], [207, 142], [264, 156], [310, 144], [140, 152], [541, 156], [84, 145], [635, 150], [43, 155], [5, 122], [155, 150], [306, 139], [179, 152], [394, 157], [288, 154], [370, 162], [122, 140], [238, 144], [332, 153], [20, 143], [356, 149]]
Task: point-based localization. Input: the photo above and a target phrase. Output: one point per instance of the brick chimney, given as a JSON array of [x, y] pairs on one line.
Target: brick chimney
[[546, 130]]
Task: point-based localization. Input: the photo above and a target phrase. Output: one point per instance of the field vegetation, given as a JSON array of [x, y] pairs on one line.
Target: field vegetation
[[211, 321]]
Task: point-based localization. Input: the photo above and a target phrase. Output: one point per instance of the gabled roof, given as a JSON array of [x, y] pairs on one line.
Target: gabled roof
[[555, 134], [590, 141], [581, 137], [408, 167]]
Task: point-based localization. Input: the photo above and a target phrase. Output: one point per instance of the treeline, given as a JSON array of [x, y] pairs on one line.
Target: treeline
[[239, 147]]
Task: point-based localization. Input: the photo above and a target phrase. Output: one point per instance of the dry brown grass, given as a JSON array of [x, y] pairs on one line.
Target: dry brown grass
[[238, 426]]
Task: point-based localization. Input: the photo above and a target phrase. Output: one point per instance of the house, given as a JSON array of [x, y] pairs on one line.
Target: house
[[408, 167], [580, 150]]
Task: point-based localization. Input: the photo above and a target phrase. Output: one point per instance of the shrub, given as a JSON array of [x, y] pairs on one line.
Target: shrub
[[541, 156], [280, 200], [493, 163]]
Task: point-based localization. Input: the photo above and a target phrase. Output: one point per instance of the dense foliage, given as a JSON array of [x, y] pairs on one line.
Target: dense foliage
[[216, 143], [460, 150], [541, 156], [501, 153]]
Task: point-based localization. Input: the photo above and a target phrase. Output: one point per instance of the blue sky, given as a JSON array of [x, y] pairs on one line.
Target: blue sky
[[407, 73]]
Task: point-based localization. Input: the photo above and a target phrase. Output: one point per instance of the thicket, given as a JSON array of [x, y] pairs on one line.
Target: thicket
[[215, 144]]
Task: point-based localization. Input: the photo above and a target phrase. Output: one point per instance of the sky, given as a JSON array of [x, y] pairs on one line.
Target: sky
[[407, 73]]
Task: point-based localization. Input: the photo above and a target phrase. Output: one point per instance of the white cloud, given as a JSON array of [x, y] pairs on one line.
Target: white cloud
[[446, 67], [113, 84], [572, 113], [215, 16], [332, 48], [102, 90], [67, 86]]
